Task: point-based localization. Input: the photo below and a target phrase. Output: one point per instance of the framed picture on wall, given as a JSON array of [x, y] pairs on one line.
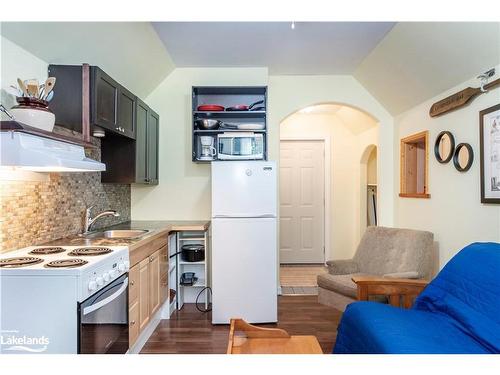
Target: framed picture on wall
[[489, 130]]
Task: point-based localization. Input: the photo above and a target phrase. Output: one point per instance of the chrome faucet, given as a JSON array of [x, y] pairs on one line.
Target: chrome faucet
[[89, 221]]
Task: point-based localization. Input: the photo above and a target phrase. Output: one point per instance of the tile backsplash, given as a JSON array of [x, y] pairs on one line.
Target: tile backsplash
[[35, 212]]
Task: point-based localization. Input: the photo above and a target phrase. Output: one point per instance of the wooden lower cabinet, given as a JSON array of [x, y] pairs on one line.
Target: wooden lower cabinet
[[148, 287], [133, 322], [154, 282], [144, 307], [164, 264]]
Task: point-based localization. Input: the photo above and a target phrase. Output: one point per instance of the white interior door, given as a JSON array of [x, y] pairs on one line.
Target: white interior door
[[302, 201]]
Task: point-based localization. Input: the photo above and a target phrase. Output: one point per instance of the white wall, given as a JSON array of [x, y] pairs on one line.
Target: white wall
[[454, 212], [346, 147], [287, 94], [184, 189]]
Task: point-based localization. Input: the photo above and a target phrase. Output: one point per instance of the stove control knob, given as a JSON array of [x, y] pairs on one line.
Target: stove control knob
[[99, 281], [92, 285], [105, 276], [112, 273], [121, 267], [127, 264]]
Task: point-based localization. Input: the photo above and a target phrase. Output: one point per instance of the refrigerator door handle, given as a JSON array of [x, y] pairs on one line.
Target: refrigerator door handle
[[240, 216]]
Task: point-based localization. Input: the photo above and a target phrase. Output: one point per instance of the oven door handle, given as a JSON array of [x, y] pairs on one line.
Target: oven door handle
[[105, 301]]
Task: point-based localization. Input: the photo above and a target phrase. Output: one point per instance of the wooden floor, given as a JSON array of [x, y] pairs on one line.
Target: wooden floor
[[300, 275], [191, 332]]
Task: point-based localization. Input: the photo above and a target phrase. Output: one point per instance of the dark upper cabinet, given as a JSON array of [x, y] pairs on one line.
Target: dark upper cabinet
[[141, 139], [112, 106], [126, 112], [133, 161], [104, 92], [152, 146], [146, 148]]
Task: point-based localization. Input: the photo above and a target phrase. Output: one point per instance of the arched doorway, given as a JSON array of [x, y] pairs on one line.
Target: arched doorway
[[320, 151], [368, 189]]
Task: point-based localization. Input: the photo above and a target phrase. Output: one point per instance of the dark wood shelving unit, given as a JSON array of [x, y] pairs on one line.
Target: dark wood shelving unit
[[227, 96]]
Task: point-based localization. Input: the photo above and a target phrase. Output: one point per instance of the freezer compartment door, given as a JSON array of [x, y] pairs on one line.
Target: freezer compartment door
[[244, 270], [244, 189]]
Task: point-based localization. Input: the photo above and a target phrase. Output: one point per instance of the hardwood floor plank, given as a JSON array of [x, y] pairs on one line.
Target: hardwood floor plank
[[191, 332]]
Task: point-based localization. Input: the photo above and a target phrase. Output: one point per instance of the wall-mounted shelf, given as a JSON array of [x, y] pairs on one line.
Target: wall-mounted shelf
[[202, 262], [227, 96], [200, 283], [216, 131], [229, 114]]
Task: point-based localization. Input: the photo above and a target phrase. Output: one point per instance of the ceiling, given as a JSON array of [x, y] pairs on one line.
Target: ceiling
[[401, 65], [130, 52], [417, 61], [309, 48]]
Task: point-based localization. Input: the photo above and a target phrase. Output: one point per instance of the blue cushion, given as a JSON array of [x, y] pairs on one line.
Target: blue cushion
[[458, 312], [371, 327]]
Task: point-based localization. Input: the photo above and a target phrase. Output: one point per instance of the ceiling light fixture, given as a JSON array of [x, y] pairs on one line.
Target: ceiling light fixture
[[293, 25]]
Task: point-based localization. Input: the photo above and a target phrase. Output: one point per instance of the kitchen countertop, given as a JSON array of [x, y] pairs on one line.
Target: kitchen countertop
[[156, 228]]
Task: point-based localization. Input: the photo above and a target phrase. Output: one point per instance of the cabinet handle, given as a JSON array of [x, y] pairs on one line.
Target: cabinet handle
[[132, 283], [132, 322], [151, 258]]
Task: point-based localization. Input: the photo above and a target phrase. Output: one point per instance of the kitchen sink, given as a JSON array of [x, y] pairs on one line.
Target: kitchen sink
[[125, 233], [116, 233]]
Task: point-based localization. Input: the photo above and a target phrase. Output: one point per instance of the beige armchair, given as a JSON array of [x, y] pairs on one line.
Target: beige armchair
[[382, 252]]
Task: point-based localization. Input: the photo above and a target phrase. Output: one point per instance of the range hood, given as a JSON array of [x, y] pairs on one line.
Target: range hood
[[23, 148]]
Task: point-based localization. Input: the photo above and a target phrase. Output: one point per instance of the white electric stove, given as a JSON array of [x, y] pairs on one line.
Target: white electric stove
[[67, 299]]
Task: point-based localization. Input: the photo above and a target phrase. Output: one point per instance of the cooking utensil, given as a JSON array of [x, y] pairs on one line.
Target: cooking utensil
[[4, 110], [193, 253], [210, 108], [226, 125], [239, 107], [258, 108], [50, 96], [49, 85], [22, 87], [13, 90], [207, 124], [249, 126], [251, 107], [32, 87]]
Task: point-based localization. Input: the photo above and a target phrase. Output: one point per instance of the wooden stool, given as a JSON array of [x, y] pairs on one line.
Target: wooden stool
[[245, 338]]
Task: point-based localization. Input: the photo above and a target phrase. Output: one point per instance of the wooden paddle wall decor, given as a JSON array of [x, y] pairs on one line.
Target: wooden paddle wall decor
[[459, 99]]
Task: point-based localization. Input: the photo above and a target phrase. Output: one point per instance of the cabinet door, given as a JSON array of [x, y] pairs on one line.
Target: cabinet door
[[104, 100], [154, 282], [152, 146], [133, 289], [144, 294], [163, 274], [126, 112], [141, 163], [133, 323]]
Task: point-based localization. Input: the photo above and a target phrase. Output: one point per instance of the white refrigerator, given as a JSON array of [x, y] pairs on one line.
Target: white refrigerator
[[244, 243]]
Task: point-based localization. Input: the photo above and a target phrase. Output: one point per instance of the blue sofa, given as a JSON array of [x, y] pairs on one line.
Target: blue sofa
[[458, 312]]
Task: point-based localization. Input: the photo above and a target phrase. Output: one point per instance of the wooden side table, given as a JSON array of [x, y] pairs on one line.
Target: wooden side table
[[245, 338]]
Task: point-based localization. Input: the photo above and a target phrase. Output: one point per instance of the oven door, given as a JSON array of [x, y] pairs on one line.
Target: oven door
[[247, 146], [103, 320]]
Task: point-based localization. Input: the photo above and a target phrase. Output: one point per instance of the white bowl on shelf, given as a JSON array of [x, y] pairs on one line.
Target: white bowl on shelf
[[37, 118]]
